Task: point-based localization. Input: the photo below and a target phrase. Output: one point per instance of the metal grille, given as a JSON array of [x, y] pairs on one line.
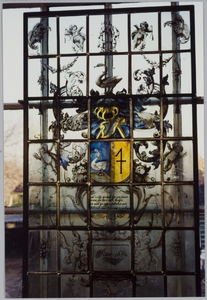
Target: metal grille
[[110, 171]]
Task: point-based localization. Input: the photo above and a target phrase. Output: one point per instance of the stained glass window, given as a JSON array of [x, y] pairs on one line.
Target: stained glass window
[[111, 177]]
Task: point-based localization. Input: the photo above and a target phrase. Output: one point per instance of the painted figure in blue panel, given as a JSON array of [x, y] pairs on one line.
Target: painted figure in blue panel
[[100, 160]]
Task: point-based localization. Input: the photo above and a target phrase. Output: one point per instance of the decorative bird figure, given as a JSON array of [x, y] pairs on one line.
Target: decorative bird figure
[[106, 82], [98, 166]]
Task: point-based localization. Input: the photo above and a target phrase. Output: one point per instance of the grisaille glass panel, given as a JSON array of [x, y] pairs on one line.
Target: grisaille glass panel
[[42, 36], [110, 153], [147, 205], [179, 205], [42, 205], [73, 206], [111, 250], [72, 35], [175, 30], [74, 250], [181, 286], [146, 161], [146, 117], [144, 31], [149, 286], [178, 161], [110, 206], [75, 286], [112, 287], [42, 162], [43, 286], [73, 160], [148, 250], [42, 250], [180, 252], [145, 74]]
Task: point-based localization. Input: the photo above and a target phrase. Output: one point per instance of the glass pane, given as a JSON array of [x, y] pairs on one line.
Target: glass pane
[[111, 250], [146, 118], [110, 206], [73, 160], [178, 70], [43, 286], [108, 75], [146, 163], [74, 250], [149, 286], [147, 206], [178, 161], [42, 205], [181, 286], [42, 36], [96, 33], [73, 206], [73, 75], [180, 250], [42, 250], [144, 31], [41, 118], [42, 162], [75, 286], [148, 250], [180, 117], [175, 30], [145, 74], [112, 287], [179, 205], [72, 34], [110, 118], [110, 161]]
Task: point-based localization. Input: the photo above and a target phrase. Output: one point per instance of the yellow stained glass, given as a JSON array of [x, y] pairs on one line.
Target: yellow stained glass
[[120, 161]]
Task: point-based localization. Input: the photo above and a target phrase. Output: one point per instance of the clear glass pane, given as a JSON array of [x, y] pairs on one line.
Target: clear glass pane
[[72, 34], [148, 250], [147, 205], [73, 206], [178, 161], [175, 30], [73, 161], [43, 286], [146, 161], [41, 120], [149, 286], [110, 206], [179, 205], [43, 250], [75, 286], [178, 70], [144, 31], [110, 161], [180, 250], [180, 117], [74, 250], [42, 205], [111, 250], [42, 162], [181, 286]]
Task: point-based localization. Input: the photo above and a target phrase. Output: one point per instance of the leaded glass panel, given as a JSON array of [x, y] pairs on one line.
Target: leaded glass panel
[[111, 153]]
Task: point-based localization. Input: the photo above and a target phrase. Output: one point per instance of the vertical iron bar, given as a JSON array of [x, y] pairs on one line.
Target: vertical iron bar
[[195, 156], [25, 288]]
